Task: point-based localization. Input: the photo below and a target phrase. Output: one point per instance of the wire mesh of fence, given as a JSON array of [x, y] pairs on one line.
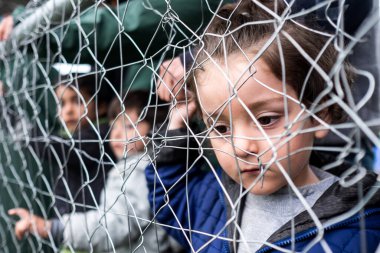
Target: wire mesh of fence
[[190, 126]]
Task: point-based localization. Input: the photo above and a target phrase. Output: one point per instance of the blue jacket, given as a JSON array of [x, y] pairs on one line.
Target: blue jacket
[[194, 205]]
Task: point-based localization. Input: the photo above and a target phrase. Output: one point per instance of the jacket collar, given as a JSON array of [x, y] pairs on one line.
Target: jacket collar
[[335, 201]]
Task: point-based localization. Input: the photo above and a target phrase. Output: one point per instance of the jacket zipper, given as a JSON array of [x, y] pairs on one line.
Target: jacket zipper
[[313, 231]]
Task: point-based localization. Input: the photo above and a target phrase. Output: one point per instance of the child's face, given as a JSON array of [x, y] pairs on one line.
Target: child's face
[[126, 135], [73, 108], [239, 143]]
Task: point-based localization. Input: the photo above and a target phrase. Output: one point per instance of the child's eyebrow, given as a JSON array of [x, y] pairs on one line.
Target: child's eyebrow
[[74, 97], [255, 105]]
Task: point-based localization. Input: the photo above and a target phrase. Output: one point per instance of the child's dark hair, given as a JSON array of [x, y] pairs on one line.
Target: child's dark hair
[[86, 84], [102, 90], [247, 26], [139, 101]]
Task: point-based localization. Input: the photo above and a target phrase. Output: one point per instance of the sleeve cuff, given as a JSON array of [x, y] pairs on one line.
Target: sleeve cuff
[[174, 146], [56, 230]]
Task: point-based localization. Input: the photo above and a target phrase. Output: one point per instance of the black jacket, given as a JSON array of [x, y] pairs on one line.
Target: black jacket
[[80, 167]]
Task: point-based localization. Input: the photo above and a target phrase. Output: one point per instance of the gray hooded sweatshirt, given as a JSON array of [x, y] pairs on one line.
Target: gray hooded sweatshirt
[[121, 223]]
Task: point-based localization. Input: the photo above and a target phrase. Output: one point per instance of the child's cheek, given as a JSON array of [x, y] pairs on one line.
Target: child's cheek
[[225, 156], [81, 110]]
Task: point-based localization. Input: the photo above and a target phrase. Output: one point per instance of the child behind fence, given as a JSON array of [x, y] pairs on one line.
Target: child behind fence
[[122, 222], [78, 157], [86, 160], [264, 101]]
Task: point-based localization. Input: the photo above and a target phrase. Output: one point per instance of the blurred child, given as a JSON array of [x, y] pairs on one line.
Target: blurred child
[[84, 158], [122, 220], [264, 101]]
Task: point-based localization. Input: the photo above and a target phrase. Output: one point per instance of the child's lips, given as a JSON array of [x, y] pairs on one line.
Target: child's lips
[[119, 145], [251, 171], [71, 122]]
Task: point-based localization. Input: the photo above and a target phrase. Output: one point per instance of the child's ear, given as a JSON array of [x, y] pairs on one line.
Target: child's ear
[[325, 116]]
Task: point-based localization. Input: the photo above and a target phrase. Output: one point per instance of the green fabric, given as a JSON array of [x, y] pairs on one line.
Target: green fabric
[[145, 32], [18, 74], [139, 77], [66, 250], [33, 108], [147, 29], [18, 13]]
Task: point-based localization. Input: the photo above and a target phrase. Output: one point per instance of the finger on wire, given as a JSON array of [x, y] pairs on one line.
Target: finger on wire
[[22, 228], [23, 225], [21, 212], [6, 27]]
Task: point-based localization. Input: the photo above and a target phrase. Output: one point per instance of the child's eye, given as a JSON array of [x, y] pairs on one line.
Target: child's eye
[[129, 127], [268, 120], [222, 129], [75, 100]]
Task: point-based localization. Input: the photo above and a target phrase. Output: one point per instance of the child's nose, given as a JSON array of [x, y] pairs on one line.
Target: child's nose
[[245, 145], [68, 109]]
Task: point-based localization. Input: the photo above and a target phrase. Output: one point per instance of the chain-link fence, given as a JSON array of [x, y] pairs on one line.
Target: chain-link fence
[[190, 125]]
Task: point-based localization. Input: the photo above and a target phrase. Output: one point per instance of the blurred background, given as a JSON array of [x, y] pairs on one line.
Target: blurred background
[[7, 7]]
